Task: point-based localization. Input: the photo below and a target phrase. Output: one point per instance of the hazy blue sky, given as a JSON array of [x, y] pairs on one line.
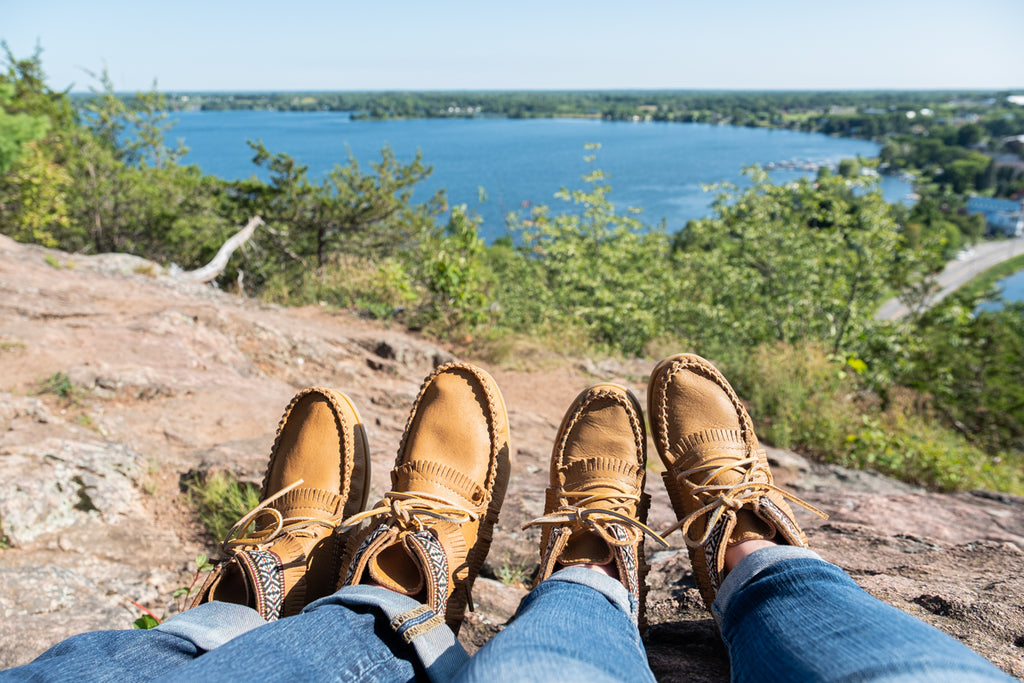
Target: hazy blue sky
[[448, 44]]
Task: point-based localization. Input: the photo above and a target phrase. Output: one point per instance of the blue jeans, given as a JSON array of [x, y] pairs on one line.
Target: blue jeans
[[783, 612]]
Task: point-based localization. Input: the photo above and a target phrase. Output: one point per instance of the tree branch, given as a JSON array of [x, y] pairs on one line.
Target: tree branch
[[216, 266]]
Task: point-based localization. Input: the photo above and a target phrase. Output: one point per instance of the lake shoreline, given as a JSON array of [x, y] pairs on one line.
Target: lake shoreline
[[521, 163]]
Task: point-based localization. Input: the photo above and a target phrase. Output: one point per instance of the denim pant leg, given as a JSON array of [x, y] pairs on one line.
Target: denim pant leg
[[575, 626], [138, 654], [787, 615], [360, 633], [363, 633]]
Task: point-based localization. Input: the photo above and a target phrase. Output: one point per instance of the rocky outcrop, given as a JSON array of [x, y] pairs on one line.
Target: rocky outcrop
[[160, 379]]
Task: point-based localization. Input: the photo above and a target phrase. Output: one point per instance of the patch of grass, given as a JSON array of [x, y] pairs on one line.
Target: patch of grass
[[55, 262], [60, 384], [11, 344], [148, 269], [903, 443], [513, 351], [221, 500], [149, 482], [516, 573], [379, 289]]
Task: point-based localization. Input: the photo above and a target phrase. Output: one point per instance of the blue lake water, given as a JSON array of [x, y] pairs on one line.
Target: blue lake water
[[1011, 288], [659, 167]]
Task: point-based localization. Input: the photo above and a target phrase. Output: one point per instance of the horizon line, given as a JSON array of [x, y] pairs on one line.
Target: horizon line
[[822, 91]]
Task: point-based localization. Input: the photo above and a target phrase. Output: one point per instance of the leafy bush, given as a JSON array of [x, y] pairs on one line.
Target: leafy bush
[[801, 398], [221, 500], [593, 268]]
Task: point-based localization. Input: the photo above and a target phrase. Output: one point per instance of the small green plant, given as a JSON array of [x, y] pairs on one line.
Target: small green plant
[[221, 500], [146, 622], [513, 573], [55, 262], [85, 420], [203, 565], [60, 384], [150, 481], [11, 345], [147, 269]]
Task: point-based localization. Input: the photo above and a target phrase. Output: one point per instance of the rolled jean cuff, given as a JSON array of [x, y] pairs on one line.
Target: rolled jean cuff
[[602, 583], [752, 565], [212, 624], [413, 622]]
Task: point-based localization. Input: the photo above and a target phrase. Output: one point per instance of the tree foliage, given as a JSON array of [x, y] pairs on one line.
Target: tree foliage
[[601, 269], [789, 263]]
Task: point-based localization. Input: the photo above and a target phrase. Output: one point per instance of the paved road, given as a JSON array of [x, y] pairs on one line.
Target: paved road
[[958, 273]]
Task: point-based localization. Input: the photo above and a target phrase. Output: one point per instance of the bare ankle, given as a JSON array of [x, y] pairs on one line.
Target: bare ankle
[[608, 569], [735, 554]]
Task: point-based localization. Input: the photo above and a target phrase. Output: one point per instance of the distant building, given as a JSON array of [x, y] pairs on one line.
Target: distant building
[[1002, 216]]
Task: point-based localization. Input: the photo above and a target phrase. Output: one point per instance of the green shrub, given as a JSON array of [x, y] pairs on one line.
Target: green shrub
[[801, 398], [221, 500], [60, 384]]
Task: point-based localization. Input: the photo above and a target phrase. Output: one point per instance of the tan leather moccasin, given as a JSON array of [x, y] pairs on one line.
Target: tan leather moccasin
[[717, 475], [595, 507], [430, 534], [285, 553]]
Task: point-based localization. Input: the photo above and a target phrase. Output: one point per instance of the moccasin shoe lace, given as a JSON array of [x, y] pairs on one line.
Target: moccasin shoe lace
[[248, 533], [596, 512], [413, 511], [718, 498]]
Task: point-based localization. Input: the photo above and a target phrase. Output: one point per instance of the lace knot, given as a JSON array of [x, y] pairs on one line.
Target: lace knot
[[613, 510], [413, 511]]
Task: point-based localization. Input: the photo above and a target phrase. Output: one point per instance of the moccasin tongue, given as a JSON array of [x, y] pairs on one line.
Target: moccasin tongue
[[437, 479], [417, 563], [307, 502], [713, 447], [719, 448], [586, 547], [603, 476]]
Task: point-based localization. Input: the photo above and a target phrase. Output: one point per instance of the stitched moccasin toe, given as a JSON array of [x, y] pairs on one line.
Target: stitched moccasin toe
[[717, 475], [595, 507], [285, 553], [430, 534]]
